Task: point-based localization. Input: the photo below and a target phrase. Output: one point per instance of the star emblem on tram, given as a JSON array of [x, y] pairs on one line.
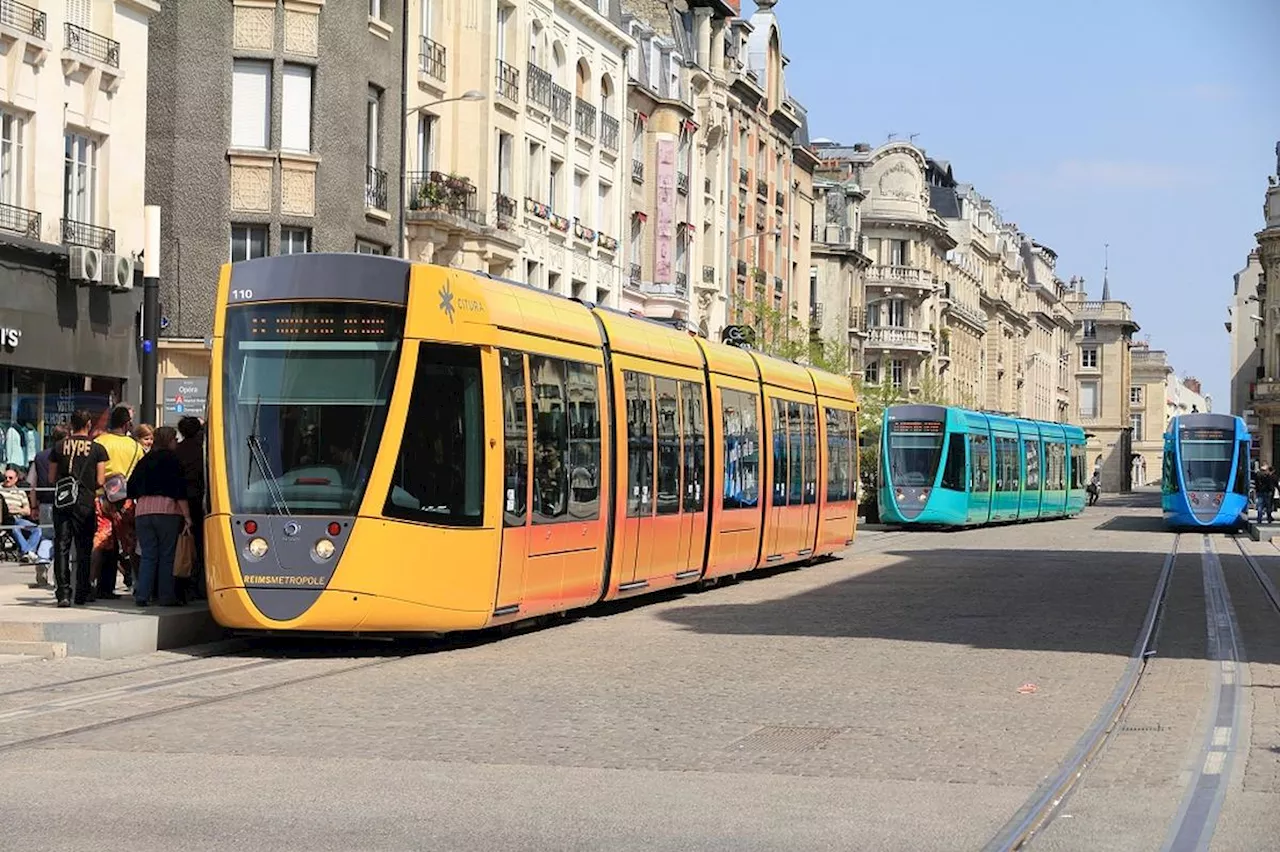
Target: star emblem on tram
[[446, 301]]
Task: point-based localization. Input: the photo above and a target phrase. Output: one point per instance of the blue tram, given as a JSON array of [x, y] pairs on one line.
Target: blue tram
[[953, 467], [1205, 478]]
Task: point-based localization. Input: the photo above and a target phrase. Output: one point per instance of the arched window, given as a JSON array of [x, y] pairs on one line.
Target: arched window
[[583, 87], [558, 60], [535, 45], [606, 95]]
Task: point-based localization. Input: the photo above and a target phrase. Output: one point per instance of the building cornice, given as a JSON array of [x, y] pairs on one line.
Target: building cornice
[[658, 100], [591, 20], [146, 7]]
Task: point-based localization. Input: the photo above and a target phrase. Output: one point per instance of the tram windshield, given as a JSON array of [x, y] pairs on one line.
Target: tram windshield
[[915, 449], [1206, 460], [306, 387]]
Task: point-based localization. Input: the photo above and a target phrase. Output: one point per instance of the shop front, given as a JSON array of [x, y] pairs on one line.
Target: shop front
[[63, 347]]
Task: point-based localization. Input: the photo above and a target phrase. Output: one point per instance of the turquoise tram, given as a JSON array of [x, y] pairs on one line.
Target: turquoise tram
[[948, 466], [1205, 479]]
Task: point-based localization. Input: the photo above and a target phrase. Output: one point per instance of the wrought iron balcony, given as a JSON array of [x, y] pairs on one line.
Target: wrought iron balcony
[[431, 59], [637, 171], [540, 86], [435, 192], [762, 187], [561, 104], [708, 275], [90, 236], [682, 183], [742, 267], [609, 132], [743, 176], [505, 206], [682, 283], [584, 119], [375, 188], [815, 315], [779, 199], [777, 283], [91, 45], [507, 82], [20, 220], [634, 277], [24, 18]]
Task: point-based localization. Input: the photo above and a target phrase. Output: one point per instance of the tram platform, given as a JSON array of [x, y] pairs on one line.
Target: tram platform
[[1262, 532], [31, 625]]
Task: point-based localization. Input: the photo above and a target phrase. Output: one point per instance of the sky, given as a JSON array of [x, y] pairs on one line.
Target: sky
[[1149, 125]]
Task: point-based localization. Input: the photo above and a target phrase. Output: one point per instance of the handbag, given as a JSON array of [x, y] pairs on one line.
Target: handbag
[[66, 491], [184, 558], [116, 486]]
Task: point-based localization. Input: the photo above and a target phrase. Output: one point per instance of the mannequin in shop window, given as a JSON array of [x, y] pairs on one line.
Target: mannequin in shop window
[[15, 446]]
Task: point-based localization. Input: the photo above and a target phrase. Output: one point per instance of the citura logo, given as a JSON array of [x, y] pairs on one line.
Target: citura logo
[[446, 301]]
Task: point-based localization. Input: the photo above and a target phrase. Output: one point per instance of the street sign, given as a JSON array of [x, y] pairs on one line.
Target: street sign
[[185, 398]]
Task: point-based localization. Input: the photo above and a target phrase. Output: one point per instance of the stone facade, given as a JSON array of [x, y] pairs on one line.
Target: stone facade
[[1266, 389], [1245, 332], [837, 278], [1148, 412], [530, 181], [329, 186]]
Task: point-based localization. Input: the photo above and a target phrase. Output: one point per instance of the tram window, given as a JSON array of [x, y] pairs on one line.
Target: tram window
[[584, 442], [1169, 475], [439, 476], [980, 466], [779, 453], [1031, 451], [695, 444], [1078, 465], [1242, 468], [1010, 478], [741, 449], [953, 471], [550, 440], [639, 444], [839, 455], [795, 460], [668, 446], [515, 436], [809, 413]]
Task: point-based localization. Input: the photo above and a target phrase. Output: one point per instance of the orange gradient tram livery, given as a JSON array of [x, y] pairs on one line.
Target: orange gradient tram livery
[[402, 448]]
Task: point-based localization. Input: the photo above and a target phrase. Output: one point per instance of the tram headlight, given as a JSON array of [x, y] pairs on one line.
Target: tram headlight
[[258, 548], [899, 495], [924, 494], [324, 548]]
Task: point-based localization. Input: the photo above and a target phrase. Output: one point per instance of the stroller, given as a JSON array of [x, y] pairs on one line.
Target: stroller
[[9, 550]]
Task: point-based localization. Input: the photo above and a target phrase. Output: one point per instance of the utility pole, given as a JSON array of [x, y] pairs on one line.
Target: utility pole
[[150, 310]]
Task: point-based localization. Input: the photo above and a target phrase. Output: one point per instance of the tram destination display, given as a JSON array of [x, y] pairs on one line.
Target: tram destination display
[[916, 427], [1205, 434]]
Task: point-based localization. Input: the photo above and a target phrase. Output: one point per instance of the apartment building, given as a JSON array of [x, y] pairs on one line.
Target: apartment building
[[516, 158], [73, 113], [1104, 331], [767, 249], [1266, 391], [677, 96], [837, 276], [1244, 325], [1148, 414], [1046, 393], [282, 138]]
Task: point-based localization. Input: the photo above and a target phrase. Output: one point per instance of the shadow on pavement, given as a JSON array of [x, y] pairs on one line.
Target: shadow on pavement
[[1034, 600]]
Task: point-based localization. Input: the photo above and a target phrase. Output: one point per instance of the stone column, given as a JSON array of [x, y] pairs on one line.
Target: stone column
[[718, 36], [702, 34]]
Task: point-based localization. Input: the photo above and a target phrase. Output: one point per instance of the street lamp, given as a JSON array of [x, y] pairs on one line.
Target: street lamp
[[470, 95]]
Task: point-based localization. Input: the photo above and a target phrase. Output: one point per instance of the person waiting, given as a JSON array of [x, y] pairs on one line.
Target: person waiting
[[77, 468], [26, 532], [159, 492]]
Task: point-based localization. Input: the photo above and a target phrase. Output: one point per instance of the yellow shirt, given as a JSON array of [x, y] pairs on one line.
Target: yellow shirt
[[122, 453]]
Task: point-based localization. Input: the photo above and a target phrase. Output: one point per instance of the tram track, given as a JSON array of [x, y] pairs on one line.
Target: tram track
[[1044, 804]]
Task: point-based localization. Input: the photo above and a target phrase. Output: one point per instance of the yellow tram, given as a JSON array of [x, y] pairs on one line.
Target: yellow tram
[[399, 448]]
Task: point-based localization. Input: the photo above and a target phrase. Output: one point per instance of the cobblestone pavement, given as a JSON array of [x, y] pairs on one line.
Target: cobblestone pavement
[[909, 696]]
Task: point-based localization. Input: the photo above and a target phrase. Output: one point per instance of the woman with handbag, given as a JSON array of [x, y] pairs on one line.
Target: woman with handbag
[[159, 492]]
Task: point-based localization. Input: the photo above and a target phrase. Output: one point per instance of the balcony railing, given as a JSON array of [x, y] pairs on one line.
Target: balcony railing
[[561, 104], [831, 234], [634, 277], [706, 186], [682, 282], [762, 187], [436, 192], [1114, 311], [743, 176], [637, 171], [505, 206], [375, 188], [708, 275], [507, 82], [682, 183], [540, 86], [890, 337], [89, 44], [900, 276], [976, 316], [20, 220], [777, 283], [815, 315], [23, 18], [584, 119], [679, 287], [779, 200], [90, 236], [431, 59], [609, 132], [742, 267]]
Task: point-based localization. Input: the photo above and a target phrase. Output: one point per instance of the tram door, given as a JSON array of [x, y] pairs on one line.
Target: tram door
[[979, 478], [809, 531], [776, 538], [516, 454], [635, 547]]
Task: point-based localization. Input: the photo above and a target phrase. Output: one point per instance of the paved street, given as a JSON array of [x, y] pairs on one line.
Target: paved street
[[912, 695]]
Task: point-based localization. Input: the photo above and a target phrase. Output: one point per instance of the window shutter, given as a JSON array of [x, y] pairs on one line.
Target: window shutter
[[78, 13], [250, 104], [295, 116]]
